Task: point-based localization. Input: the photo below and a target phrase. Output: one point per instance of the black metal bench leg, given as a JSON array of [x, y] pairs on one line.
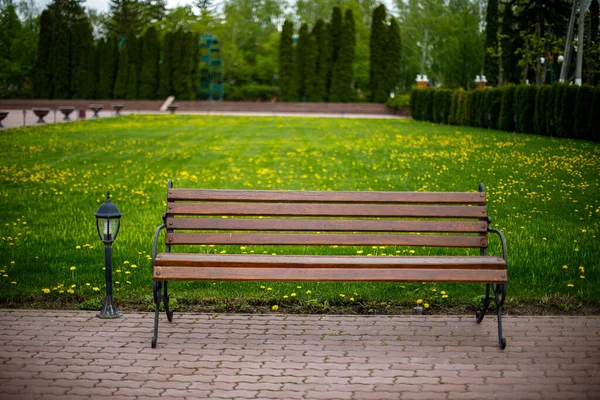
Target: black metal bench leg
[[499, 297], [166, 301], [485, 303], [157, 298]]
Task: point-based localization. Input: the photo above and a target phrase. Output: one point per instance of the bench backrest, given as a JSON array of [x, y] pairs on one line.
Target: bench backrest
[[266, 217]]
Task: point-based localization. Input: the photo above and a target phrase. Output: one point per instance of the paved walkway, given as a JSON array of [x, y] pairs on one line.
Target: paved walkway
[[15, 117], [73, 355]]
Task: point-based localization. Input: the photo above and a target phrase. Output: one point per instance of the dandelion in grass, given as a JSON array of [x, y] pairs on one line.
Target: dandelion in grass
[[298, 287], [275, 308], [570, 285], [269, 289], [426, 305], [77, 247], [581, 269], [342, 295], [293, 294], [13, 283], [565, 267], [133, 266], [73, 286], [285, 296], [87, 284], [96, 289], [46, 290], [359, 252], [420, 301], [308, 292], [262, 287]]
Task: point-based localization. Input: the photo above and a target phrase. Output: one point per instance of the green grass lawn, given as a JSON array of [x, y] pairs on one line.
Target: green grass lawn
[[543, 192]]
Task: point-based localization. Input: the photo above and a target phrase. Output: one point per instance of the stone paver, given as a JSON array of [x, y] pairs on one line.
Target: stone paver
[[72, 354]]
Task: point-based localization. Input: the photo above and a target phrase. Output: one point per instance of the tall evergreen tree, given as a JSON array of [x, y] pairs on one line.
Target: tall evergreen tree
[[150, 57], [509, 35], [120, 89], [166, 67], [491, 42], [378, 51], [300, 76], [42, 71], [393, 60], [133, 68], [182, 67], [125, 17], [82, 60], [310, 68], [321, 35], [286, 70], [106, 66], [9, 54], [335, 41], [60, 59], [343, 68]]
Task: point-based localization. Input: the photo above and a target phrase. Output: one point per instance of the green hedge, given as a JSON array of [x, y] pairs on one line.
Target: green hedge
[[559, 110]]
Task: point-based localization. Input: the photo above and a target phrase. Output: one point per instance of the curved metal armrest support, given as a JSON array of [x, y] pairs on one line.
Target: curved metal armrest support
[[154, 245], [502, 241]]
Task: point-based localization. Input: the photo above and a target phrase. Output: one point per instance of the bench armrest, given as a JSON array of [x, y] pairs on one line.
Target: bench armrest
[[155, 243], [502, 241]]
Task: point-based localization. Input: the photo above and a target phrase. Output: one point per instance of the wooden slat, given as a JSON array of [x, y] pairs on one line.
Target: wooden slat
[[295, 261], [325, 239], [254, 224], [324, 197], [330, 274], [331, 210]]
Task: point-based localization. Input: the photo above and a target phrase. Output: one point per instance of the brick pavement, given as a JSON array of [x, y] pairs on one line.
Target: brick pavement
[[73, 355]]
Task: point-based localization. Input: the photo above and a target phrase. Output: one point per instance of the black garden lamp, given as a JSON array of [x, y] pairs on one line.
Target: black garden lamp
[[108, 220]]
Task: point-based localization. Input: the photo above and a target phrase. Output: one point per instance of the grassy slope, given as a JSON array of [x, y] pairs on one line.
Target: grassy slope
[[544, 195]]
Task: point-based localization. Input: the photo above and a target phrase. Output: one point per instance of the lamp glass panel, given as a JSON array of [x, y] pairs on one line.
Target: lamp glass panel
[[108, 229]]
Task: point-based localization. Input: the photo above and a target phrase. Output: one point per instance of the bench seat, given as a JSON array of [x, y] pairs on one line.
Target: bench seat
[[234, 267]]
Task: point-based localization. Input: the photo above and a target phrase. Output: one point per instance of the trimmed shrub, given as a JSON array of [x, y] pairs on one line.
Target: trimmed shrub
[[584, 101], [560, 109], [481, 110], [550, 110], [414, 94], [507, 110], [475, 109], [525, 108], [448, 95], [460, 107], [595, 118], [453, 105], [539, 115], [428, 105]]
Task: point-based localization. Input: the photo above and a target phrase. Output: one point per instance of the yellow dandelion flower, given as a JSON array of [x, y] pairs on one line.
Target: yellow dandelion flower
[[275, 308], [570, 285], [96, 289], [125, 262], [77, 247], [243, 248], [13, 282], [426, 305], [298, 287], [581, 269], [342, 295], [73, 268], [351, 298], [293, 294], [87, 284], [73, 286], [269, 288], [46, 290], [419, 301], [565, 266], [133, 266], [359, 252], [262, 287], [127, 272], [445, 296], [443, 292], [582, 276], [223, 251], [285, 297], [308, 292]]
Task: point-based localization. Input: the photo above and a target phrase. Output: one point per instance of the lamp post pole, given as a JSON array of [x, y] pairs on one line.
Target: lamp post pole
[[108, 219]]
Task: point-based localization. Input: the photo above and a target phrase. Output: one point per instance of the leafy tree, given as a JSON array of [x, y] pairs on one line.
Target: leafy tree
[[11, 29], [286, 70], [82, 60], [149, 71], [323, 66], [491, 38], [393, 56], [42, 72], [378, 88], [342, 73]]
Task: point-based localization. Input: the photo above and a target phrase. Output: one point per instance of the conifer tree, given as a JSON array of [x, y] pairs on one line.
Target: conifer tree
[[120, 90], [133, 58], [59, 59], [509, 59], [321, 35], [377, 47], [42, 72], [310, 68], [286, 69], [300, 63], [335, 41], [392, 54], [106, 67], [491, 42], [343, 68], [166, 67], [82, 60], [149, 71]]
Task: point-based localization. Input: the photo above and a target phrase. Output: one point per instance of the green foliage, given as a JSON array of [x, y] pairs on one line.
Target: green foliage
[[399, 101], [106, 67], [321, 34], [42, 73], [539, 117], [493, 107], [491, 42], [286, 69], [377, 74], [302, 69], [82, 60], [132, 80], [149, 76], [565, 106], [335, 41], [60, 59], [342, 73], [310, 66], [452, 108], [525, 108], [393, 50], [251, 93], [166, 67], [460, 107], [595, 118], [550, 110], [583, 112], [184, 47], [120, 89], [507, 109]]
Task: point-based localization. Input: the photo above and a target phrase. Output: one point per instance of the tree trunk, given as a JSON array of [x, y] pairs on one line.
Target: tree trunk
[[565, 66]]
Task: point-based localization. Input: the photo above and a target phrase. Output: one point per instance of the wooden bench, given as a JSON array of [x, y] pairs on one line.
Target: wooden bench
[[288, 218]]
